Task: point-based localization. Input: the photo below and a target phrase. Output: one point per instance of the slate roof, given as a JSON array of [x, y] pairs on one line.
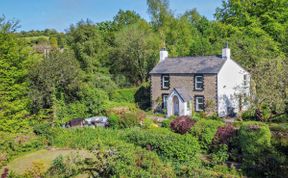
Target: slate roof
[[183, 94], [184, 65]]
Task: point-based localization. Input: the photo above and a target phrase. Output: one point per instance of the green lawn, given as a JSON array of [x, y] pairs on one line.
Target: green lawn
[[21, 164]]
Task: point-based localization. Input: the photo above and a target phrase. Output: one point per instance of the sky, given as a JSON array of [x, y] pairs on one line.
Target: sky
[[60, 14]]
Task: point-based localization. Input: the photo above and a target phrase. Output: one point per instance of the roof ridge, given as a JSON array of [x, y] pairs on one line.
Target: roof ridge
[[218, 56]]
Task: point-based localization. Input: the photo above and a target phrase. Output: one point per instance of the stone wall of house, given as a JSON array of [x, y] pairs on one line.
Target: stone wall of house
[[185, 81]]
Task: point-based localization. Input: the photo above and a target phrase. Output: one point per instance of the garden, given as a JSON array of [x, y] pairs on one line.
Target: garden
[[136, 146]]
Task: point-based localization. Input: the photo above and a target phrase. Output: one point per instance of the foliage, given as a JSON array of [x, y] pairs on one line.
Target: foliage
[[37, 170], [254, 137], [131, 119], [148, 124], [166, 122], [12, 144], [117, 159], [168, 145], [205, 131], [15, 58], [220, 155], [255, 141], [134, 54], [113, 121], [224, 135], [143, 96], [124, 95], [84, 138], [182, 124]]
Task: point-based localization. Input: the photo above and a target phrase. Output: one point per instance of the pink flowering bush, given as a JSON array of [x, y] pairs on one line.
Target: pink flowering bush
[[182, 124]]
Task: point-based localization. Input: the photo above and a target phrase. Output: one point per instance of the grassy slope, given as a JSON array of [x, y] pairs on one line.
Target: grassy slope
[[21, 164]]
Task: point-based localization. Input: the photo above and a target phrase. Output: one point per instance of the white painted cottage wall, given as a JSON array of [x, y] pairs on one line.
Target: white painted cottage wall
[[231, 83]]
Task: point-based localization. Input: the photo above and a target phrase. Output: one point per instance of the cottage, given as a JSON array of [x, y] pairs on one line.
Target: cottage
[[214, 84]]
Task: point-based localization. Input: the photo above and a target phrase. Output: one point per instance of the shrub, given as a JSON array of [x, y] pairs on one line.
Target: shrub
[[12, 145], [225, 134], [42, 129], [182, 124], [220, 155], [259, 158], [83, 137], [142, 97], [149, 124], [116, 159], [113, 121], [168, 145], [248, 115], [205, 131], [37, 169], [131, 119], [166, 123], [254, 137], [124, 95]]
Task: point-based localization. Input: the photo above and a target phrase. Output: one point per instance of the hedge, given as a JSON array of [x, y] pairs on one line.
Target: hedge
[[168, 145]]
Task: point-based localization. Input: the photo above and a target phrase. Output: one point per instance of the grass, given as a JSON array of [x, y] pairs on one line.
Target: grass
[[21, 164]]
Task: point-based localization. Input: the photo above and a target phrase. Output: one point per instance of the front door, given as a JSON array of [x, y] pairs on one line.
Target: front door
[[176, 105]]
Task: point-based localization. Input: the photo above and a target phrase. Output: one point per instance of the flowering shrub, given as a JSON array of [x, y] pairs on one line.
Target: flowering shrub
[[224, 134], [182, 124]]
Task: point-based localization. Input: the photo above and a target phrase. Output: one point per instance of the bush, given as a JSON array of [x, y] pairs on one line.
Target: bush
[[116, 159], [182, 124], [205, 131], [220, 155], [113, 121], [12, 145], [126, 95], [166, 123], [248, 115], [142, 97], [149, 124], [254, 137], [42, 129], [225, 134], [83, 137], [131, 119], [168, 145], [259, 157]]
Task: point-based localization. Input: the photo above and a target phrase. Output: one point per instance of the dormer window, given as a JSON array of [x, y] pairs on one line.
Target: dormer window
[[165, 82], [199, 82]]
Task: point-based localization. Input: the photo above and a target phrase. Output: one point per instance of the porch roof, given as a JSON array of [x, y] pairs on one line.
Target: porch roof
[[182, 92]]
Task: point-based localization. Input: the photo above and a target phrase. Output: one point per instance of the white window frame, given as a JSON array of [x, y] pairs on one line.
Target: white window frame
[[165, 100], [245, 80], [165, 81], [197, 103], [199, 82]]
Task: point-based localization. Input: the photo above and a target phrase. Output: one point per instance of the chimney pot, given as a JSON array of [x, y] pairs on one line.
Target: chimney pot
[[163, 54]]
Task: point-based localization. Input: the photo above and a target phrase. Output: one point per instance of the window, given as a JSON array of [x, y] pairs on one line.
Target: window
[[245, 77], [199, 84], [188, 105], [164, 101], [165, 81], [199, 103]]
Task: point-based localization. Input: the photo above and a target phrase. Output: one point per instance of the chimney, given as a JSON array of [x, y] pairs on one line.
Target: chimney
[[163, 54], [226, 52]]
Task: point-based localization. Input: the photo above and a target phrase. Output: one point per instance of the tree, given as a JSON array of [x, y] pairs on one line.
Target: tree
[[52, 77], [124, 18], [15, 59], [270, 16], [135, 53], [270, 97], [88, 45]]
